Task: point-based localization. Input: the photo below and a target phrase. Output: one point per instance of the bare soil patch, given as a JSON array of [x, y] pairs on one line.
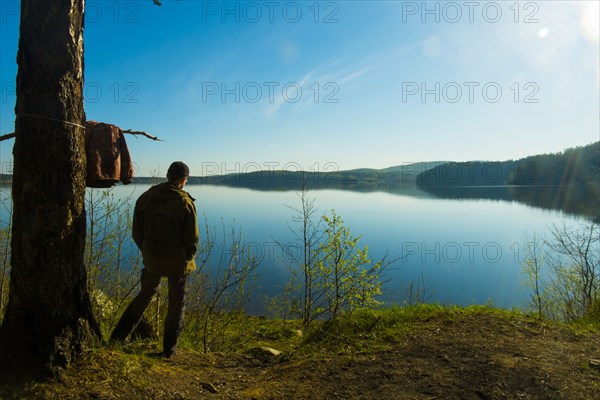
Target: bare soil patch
[[470, 357]]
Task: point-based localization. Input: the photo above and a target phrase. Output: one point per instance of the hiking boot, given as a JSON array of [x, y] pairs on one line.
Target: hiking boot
[[168, 354]]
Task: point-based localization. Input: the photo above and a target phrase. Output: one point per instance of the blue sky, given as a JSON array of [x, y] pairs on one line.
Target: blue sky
[[241, 86]]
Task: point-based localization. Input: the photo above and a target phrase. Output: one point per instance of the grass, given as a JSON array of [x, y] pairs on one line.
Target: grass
[[378, 330], [365, 330], [135, 370]]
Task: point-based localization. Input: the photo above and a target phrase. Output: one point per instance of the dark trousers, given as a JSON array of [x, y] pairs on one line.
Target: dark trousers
[[174, 321]]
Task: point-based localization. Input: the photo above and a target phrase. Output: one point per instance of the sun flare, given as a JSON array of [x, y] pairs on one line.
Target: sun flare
[[590, 21]]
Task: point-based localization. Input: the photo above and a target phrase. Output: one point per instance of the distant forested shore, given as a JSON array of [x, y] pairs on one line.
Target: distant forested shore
[[579, 166], [567, 181]]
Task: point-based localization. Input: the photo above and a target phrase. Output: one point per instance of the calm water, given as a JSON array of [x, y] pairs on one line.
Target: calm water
[[469, 250]]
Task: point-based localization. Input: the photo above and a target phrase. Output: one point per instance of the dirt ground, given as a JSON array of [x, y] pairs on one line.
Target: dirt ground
[[473, 357]]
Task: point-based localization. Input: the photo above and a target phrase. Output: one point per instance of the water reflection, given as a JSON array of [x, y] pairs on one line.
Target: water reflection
[[574, 200], [471, 249]]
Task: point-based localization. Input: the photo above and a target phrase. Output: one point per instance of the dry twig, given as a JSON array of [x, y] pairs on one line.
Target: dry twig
[[128, 131], [7, 136]]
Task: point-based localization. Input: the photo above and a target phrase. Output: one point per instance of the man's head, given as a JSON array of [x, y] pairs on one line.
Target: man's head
[[178, 173]]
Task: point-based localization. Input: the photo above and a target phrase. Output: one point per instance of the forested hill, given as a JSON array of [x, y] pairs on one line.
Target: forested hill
[[568, 181], [576, 166], [579, 166], [364, 179]]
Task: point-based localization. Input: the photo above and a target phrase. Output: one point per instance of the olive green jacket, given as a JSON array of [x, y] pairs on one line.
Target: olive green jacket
[[165, 230]]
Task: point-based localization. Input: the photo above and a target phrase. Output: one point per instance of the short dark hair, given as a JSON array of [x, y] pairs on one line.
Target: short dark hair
[[178, 170]]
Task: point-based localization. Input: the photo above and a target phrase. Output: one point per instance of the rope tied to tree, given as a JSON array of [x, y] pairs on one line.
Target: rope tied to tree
[[51, 119], [128, 131]]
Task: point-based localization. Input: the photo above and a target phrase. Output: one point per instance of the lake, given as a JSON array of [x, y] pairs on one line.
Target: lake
[[469, 250]]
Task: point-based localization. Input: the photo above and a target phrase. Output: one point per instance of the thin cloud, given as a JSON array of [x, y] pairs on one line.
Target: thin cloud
[[339, 76], [280, 100]]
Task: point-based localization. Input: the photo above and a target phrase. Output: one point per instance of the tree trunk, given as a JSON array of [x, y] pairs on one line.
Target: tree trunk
[[49, 316]]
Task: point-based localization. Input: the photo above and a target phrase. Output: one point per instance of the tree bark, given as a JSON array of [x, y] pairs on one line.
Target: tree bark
[[49, 317]]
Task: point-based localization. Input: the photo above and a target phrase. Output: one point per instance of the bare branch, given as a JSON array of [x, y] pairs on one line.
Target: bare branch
[[129, 131], [7, 136]]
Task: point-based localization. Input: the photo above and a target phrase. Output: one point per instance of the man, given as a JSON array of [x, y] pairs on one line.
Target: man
[[165, 230]]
